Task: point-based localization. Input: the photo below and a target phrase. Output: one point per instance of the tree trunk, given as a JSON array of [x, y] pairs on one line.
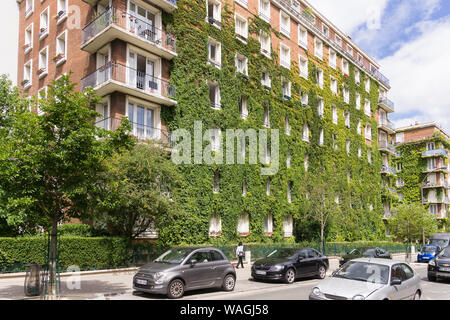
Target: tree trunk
[[322, 227], [52, 259]]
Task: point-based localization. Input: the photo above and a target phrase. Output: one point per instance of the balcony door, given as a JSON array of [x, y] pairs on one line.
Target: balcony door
[[104, 69], [142, 22], [141, 72], [143, 121]]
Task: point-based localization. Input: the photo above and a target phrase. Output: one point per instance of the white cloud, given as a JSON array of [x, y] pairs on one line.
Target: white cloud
[[9, 23], [419, 77]]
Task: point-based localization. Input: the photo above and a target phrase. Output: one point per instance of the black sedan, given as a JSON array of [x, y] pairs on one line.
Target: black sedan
[[439, 267], [288, 264], [365, 253]]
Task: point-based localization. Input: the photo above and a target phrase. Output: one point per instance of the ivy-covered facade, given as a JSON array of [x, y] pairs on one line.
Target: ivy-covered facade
[[422, 166]]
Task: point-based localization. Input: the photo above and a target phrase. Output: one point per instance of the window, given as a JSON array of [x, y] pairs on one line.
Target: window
[[333, 59], [43, 63], [303, 67], [285, 56], [216, 182], [306, 162], [42, 94], [244, 224], [286, 88], [359, 152], [214, 95], [61, 48], [215, 139], [335, 141], [318, 48], [43, 24], [345, 67], [400, 137], [241, 28], [285, 21], [357, 77], [399, 166], [244, 188], [265, 81], [302, 37], [264, 39], [216, 256], [358, 128], [268, 224], [268, 187], [367, 109], [368, 132], [264, 10], [334, 114], [143, 121], [215, 225], [289, 190], [305, 135], [321, 108], [358, 101], [367, 85], [214, 53], [241, 64], [266, 121], [304, 98], [321, 137], [360, 58], [346, 94], [288, 159], [288, 226], [369, 156], [350, 50], [338, 40], [333, 84], [319, 77], [27, 74], [61, 11], [243, 111], [213, 13], [347, 119], [325, 30], [243, 3], [28, 45], [29, 7], [433, 209]]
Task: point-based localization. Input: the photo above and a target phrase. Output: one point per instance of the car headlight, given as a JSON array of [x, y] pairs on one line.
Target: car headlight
[[159, 277], [276, 268], [432, 263], [316, 291], [358, 297]]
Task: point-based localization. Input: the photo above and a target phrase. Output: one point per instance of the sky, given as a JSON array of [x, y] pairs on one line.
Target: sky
[[410, 39]]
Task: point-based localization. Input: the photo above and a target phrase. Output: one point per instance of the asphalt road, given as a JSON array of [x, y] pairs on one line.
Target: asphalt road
[[300, 290]]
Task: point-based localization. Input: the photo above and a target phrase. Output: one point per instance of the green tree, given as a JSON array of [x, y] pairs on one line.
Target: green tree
[[135, 192], [412, 222], [49, 163]]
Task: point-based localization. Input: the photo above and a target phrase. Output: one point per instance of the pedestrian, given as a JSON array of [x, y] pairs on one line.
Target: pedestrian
[[240, 254]]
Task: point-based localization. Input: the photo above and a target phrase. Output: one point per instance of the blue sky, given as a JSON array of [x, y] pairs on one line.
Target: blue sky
[[410, 39]]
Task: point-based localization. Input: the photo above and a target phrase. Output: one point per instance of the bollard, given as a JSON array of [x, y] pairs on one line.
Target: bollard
[[248, 256]]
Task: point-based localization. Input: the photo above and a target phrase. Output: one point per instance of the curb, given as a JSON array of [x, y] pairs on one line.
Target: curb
[[106, 296], [70, 274]]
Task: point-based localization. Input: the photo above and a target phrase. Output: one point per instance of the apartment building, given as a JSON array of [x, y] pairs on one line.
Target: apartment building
[[245, 63], [422, 165]]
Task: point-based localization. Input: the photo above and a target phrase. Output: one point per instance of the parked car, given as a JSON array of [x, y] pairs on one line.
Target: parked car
[[183, 269], [440, 239], [439, 267], [363, 252], [428, 253], [288, 264], [370, 279]]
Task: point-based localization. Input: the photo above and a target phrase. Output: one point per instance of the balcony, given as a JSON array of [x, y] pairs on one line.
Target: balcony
[[388, 170], [440, 168], [117, 77], [435, 184], [386, 104], [437, 200], [142, 132], [435, 153], [116, 24], [386, 125], [386, 147], [167, 5]]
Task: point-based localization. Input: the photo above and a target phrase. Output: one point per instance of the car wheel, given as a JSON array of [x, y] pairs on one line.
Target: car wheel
[[431, 278], [290, 276], [229, 283], [417, 295], [322, 272], [176, 289]]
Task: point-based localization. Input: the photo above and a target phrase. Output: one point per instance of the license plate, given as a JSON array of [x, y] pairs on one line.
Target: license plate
[[444, 269], [142, 282], [263, 273]]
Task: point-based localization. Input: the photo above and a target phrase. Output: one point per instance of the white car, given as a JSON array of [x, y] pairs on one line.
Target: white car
[[370, 279]]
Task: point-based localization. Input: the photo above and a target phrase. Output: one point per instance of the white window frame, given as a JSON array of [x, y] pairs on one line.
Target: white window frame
[[285, 59], [320, 74], [334, 114], [357, 77], [238, 58], [243, 107], [266, 81], [321, 107], [218, 61], [359, 128], [215, 225], [303, 65], [28, 41], [268, 224], [325, 30], [266, 120], [29, 8], [287, 91], [217, 105], [305, 134], [217, 13], [367, 84], [332, 59], [358, 101], [264, 14], [346, 95], [345, 67], [243, 3], [304, 97], [285, 29], [321, 137], [368, 132], [265, 44], [241, 33], [347, 119], [43, 64], [28, 64], [243, 226], [333, 85], [61, 7], [215, 139], [287, 126], [44, 34], [64, 54], [367, 108], [302, 37], [318, 48], [338, 40]]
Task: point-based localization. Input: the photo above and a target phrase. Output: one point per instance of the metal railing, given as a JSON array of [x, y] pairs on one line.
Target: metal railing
[[435, 152], [437, 168], [387, 102], [309, 20], [388, 170], [130, 23], [113, 71], [386, 146], [141, 131], [435, 184], [386, 123]]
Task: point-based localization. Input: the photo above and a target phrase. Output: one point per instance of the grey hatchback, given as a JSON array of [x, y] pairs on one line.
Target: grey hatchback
[[182, 269]]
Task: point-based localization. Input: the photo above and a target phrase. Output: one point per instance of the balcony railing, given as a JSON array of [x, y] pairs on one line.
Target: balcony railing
[[435, 169], [309, 20], [384, 145], [386, 102], [129, 23], [386, 123], [139, 130], [435, 153], [388, 170], [113, 71], [435, 184]]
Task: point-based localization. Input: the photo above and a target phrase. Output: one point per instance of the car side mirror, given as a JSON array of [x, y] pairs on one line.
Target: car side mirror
[[301, 258], [193, 262], [396, 281]]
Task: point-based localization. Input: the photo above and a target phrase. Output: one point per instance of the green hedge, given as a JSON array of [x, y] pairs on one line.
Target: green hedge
[[87, 253]]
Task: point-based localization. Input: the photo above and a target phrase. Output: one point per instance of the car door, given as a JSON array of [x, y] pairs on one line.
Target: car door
[[410, 281], [220, 264], [399, 292], [199, 275], [305, 264]]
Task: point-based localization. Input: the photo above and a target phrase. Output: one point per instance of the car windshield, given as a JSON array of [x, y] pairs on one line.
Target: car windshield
[[355, 251], [369, 253], [173, 256], [445, 253], [428, 249], [282, 253], [439, 242], [364, 271]]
